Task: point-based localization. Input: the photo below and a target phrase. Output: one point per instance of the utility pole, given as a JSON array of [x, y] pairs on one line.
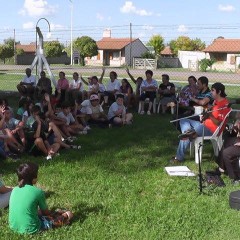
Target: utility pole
[[130, 45], [14, 46], [71, 32]]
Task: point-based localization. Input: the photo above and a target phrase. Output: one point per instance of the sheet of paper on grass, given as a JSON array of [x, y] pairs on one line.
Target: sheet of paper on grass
[[179, 171]]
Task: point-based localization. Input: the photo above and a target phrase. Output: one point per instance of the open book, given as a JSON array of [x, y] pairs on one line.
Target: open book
[[179, 171]]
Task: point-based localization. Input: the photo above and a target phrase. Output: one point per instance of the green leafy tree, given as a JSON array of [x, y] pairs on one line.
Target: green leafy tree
[[205, 63], [184, 43], [156, 41], [53, 49], [86, 46], [148, 54], [5, 52], [20, 52], [197, 44]]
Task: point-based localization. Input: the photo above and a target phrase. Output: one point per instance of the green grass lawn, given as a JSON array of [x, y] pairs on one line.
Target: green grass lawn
[[117, 187]]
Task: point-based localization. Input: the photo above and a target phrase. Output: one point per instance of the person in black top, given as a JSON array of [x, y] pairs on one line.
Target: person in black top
[[167, 92]]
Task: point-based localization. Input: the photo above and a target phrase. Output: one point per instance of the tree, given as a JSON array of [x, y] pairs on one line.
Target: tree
[[197, 44], [7, 49], [86, 46], [53, 49], [156, 41], [184, 43], [205, 63], [20, 52]]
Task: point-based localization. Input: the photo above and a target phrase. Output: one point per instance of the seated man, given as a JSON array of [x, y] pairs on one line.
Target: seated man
[[43, 86], [148, 90], [76, 89], [192, 128], [112, 88], [27, 85], [62, 87], [167, 92], [228, 159], [117, 113]]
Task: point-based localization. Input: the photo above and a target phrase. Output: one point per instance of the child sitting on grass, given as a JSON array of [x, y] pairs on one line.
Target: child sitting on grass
[[28, 211]]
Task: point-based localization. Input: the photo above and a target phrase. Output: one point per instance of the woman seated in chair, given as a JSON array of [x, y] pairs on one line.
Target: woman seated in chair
[[191, 128], [167, 92], [127, 91], [148, 90]]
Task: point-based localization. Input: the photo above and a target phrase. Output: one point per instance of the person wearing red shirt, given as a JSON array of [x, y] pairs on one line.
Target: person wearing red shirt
[[192, 128]]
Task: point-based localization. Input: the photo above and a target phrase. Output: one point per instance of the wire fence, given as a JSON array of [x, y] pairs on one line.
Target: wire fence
[[226, 68]]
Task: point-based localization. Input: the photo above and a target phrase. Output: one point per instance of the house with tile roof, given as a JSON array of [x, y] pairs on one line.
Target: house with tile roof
[[226, 52], [116, 51]]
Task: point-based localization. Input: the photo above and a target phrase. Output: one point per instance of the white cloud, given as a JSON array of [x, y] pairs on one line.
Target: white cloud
[[226, 8], [182, 28], [128, 7], [99, 16], [37, 8], [28, 25]]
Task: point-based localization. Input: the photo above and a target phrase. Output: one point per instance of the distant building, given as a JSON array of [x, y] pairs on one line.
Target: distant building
[[116, 51], [226, 52]]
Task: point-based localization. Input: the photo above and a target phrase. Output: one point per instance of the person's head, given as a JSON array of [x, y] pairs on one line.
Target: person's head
[[149, 74], [218, 89], [3, 102], [119, 99], [66, 108], [94, 80], [113, 75], [42, 74], [75, 76], [192, 80], [22, 103], [7, 113], [165, 78], [139, 80], [61, 75], [35, 111], [202, 83], [125, 83], [94, 100], [28, 72], [27, 174]]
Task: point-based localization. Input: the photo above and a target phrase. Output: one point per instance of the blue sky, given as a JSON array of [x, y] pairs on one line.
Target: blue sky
[[205, 19]]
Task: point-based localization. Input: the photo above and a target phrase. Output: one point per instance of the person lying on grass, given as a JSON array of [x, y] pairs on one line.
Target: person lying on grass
[[191, 128], [117, 113], [28, 211]]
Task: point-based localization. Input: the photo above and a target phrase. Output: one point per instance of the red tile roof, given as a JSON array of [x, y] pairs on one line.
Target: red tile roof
[[166, 51], [30, 48], [224, 46], [113, 43]]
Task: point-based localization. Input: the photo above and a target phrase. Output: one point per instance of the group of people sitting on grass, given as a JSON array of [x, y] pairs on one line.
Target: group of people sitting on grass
[[46, 122]]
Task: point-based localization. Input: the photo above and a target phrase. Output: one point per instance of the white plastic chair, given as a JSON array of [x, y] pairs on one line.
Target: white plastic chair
[[216, 140], [147, 100]]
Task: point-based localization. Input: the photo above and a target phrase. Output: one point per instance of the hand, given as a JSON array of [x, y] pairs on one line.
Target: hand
[[13, 131], [237, 144]]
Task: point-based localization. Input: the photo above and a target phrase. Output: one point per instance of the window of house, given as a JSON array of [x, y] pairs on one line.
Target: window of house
[[116, 55], [220, 57]]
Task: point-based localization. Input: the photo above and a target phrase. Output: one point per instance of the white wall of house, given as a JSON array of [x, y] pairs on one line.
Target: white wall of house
[[231, 63], [94, 61], [187, 58]]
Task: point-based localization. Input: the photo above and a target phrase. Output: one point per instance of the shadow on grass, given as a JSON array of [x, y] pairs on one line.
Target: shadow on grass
[[83, 211]]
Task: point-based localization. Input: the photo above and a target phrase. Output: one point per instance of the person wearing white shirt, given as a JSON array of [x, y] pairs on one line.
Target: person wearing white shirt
[[117, 112], [112, 88], [27, 85], [148, 89], [76, 88]]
